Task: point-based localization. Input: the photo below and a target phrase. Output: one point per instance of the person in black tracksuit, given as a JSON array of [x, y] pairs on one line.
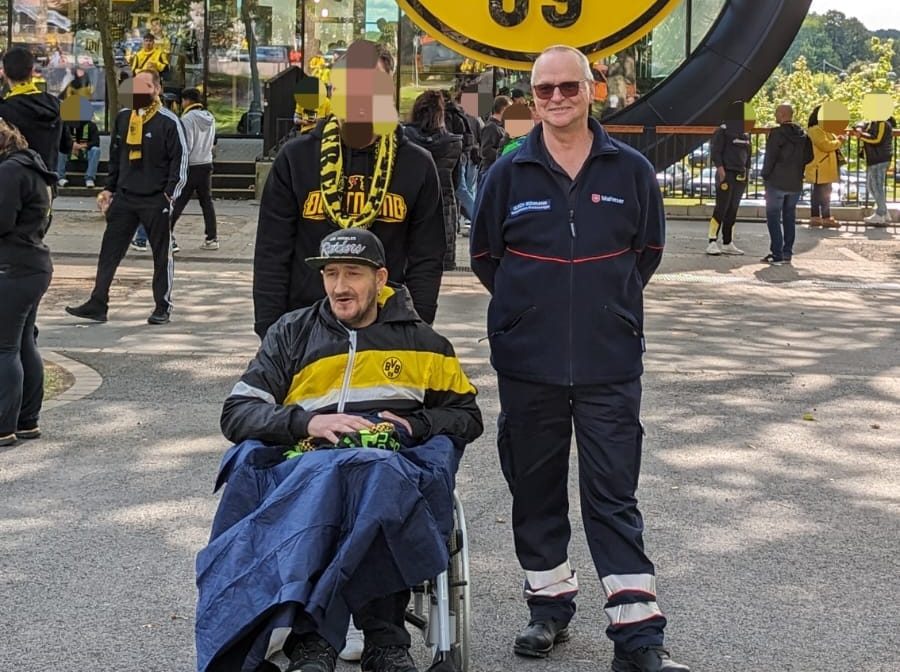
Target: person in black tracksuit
[[147, 171], [566, 254], [35, 113], [292, 223], [730, 154]]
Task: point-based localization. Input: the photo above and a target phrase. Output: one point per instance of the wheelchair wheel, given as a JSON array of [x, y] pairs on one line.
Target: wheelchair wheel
[[460, 585], [424, 614]]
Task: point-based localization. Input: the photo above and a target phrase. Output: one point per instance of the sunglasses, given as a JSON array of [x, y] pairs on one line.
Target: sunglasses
[[546, 91]]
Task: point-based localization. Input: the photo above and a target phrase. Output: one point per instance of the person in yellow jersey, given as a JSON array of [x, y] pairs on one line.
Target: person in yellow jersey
[[150, 57]]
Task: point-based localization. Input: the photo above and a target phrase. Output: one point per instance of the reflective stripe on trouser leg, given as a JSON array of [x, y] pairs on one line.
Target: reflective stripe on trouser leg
[[534, 440], [553, 583], [609, 438]]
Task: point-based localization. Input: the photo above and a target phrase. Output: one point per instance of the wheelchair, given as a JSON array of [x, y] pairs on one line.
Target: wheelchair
[[442, 609]]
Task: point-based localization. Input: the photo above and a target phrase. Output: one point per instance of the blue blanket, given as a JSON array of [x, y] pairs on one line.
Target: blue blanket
[[323, 533]]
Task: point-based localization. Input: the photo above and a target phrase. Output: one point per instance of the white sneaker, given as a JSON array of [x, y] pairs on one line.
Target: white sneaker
[[352, 651], [89, 184], [875, 218], [210, 244], [731, 248], [713, 249], [61, 183]]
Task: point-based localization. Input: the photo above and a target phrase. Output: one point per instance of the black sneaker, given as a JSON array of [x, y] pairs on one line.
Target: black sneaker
[[8, 440], [646, 659], [175, 246], [159, 316], [772, 261], [387, 659], [539, 637], [312, 654], [27, 434], [89, 310], [139, 245]]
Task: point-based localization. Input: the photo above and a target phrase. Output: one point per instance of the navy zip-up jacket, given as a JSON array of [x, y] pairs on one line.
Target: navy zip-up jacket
[[567, 271]]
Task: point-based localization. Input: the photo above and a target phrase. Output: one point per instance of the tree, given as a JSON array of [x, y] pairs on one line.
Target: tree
[[102, 15], [254, 114], [805, 89]]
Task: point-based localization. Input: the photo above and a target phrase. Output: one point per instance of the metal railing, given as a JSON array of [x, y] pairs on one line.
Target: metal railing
[[690, 175]]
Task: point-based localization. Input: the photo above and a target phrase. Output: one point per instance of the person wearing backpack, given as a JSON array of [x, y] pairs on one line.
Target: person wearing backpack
[[788, 150]]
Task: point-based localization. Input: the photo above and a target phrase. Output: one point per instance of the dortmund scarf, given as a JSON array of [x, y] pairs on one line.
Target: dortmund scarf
[[135, 136], [23, 89], [333, 181], [192, 106]]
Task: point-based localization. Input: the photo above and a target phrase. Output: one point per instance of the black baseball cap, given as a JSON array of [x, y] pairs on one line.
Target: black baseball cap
[[349, 246]]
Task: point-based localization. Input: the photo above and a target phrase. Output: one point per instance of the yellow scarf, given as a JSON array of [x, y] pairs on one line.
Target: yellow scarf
[[193, 106], [23, 89], [135, 136], [332, 177]]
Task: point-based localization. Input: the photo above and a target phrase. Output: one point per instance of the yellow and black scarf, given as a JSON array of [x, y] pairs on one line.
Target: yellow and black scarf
[[23, 89], [135, 136], [192, 106], [333, 180]]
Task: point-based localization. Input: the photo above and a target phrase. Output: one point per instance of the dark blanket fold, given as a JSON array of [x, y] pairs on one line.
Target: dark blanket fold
[[322, 533]]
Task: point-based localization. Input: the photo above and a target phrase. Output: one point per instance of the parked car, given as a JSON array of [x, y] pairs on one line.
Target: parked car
[[703, 184], [435, 56], [700, 156], [675, 178], [264, 54]]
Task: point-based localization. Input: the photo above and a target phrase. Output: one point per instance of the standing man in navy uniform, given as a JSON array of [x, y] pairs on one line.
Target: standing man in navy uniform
[[568, 230]]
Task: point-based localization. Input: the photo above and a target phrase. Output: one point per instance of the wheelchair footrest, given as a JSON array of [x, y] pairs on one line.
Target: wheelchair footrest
[[445, 665]]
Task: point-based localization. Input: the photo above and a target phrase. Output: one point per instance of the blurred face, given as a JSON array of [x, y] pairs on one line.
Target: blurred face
[[148, 44], [362, 96], [144, 90], [562, 110], [352, 291]]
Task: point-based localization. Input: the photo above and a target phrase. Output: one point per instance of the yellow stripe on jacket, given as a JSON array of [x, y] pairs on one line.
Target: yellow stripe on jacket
[[385, 374]]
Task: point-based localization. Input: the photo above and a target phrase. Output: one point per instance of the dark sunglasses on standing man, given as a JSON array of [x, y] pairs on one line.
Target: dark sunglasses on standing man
[[567, 89]]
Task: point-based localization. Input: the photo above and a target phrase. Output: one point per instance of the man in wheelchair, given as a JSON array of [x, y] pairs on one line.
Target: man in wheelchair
[[310, 528]]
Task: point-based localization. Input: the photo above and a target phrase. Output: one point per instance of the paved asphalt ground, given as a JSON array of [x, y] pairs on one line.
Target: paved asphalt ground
[[770, 484]]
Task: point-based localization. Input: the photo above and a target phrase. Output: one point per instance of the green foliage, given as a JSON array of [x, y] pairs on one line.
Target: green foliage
[[805, 89], [831, 38]]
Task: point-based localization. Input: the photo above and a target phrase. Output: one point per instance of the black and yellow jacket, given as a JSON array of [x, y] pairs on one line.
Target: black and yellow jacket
[[310, 363]]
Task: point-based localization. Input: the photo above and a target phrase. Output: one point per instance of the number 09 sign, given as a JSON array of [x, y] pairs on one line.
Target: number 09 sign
[[511, 33]]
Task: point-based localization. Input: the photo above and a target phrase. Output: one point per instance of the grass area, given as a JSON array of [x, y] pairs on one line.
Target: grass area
[[56, 380]]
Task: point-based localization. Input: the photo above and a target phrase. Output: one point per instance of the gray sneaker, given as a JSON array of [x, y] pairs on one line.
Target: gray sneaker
[[210, 244]]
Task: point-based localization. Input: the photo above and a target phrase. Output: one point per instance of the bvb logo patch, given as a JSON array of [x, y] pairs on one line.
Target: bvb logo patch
[[511, 33], [392, 367]]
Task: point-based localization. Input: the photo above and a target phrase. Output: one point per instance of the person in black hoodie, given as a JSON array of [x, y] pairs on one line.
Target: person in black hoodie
[[493, 136], [730, 153], [148, 160], [310, 193], [788, 150], [25, 271], [34, 112], [428, 131]]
